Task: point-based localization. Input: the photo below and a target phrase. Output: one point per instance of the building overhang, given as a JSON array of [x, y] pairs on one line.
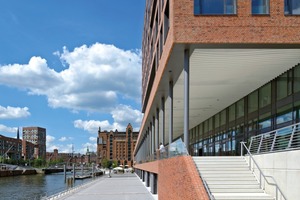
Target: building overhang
[[219, 76]]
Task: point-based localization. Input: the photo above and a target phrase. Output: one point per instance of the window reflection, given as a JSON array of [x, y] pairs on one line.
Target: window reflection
[[292, 7], [260, 6], [214, 7]]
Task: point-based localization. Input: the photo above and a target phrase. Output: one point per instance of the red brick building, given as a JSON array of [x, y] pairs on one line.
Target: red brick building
[[10, 148], [214, 73], [117, 146]]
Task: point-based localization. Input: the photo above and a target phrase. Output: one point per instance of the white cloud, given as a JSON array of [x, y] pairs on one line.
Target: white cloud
[[92, 126], [93, 139], [122, 115], [63, 139], [13, 112], [92, 147], [49, 139], [6, 129], [95, 78]]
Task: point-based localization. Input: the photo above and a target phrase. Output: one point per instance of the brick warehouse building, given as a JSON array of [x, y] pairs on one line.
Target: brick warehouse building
[[117, 146], [213, 74]]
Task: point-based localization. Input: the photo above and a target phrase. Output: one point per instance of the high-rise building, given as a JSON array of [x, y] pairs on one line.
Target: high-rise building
[[37, 136], [214, 73], [117, 146]]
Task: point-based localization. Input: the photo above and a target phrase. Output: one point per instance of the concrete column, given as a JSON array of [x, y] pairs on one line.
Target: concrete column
[[153, 135], [186, 97], [157, 129], [147, 179], [151, 139], [146, 144], [163, 120], [171, 112]]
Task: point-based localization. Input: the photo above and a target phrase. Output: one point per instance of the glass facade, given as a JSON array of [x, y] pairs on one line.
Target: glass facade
[[214, 7], [260, 7], [272, 106], [292, 7]]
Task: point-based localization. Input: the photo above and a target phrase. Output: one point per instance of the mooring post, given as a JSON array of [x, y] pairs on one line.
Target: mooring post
[[74, 172], [65, 173]]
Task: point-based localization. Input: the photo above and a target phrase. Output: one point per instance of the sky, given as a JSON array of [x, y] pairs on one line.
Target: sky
[[70, 66]]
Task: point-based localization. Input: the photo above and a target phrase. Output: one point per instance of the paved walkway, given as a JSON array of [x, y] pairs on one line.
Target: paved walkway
[[118, 187]]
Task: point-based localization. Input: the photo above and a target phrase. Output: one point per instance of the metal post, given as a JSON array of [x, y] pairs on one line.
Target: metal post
[[242, 149], [171, 112], [186, 97], [157, 129], [260, 143], [274, 140], [74, 172], [93, 170], [163, 120], [65, 173]]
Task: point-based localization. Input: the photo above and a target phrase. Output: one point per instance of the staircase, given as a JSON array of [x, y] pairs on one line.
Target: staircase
[[229, 177]]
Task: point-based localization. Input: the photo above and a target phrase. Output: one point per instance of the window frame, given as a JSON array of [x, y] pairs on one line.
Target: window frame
[[288, 9], [199, 12], [267, 5]]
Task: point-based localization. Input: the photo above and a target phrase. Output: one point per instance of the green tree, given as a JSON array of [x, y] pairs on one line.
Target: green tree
[[39, 162]]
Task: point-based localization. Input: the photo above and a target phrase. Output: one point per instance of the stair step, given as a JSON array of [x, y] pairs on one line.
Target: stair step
[[228, 170], [242, 196], [233, 186], [231, 182], [229, 178], [236, 190], [237, 178], [228, 175]]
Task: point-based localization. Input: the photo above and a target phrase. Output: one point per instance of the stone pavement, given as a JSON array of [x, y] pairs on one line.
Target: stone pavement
[[119, 187]]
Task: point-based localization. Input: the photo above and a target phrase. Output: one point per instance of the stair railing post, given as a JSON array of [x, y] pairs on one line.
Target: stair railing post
[[242, 148], [276, 192], [274, 140], [291, 138], [260, 143]]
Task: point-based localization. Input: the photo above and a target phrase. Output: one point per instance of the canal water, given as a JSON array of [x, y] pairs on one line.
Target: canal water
[[33, 186]]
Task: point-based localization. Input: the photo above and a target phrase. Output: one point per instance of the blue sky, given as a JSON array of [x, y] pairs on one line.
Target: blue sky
[[70, 66]]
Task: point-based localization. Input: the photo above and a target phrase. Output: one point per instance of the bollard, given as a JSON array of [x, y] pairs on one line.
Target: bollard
[[74, 172], [65, 173]]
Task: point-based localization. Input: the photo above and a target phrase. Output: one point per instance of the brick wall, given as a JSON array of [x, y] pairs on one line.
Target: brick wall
[[178, 179], [241, 28]]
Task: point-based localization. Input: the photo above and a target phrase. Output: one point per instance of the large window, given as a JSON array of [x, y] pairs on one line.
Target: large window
[[214, 7], [260, 7], [253, 102], [292, 7], [265, 95]]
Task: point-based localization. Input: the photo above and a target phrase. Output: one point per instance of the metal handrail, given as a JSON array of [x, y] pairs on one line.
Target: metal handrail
[[211, 197], [282, 139], [243, 144]]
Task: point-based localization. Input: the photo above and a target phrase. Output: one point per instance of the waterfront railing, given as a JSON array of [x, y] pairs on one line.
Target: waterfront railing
[[68, 191]]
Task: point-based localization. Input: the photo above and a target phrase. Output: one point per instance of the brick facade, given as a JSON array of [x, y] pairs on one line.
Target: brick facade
[[117, 146], [177, 178]]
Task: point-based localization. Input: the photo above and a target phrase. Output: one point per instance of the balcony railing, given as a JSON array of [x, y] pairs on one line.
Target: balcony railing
[[177, 148], [283, 139]]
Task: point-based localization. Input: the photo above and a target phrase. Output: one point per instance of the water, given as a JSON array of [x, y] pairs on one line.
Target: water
[[33, 186]]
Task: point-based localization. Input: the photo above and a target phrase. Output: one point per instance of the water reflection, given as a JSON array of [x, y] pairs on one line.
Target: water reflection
[[32, 186]]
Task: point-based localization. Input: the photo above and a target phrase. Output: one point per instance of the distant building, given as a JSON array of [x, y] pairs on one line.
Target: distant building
[[70, 158], [27, 150], [10, 148], [117, 146], [37, 136]]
